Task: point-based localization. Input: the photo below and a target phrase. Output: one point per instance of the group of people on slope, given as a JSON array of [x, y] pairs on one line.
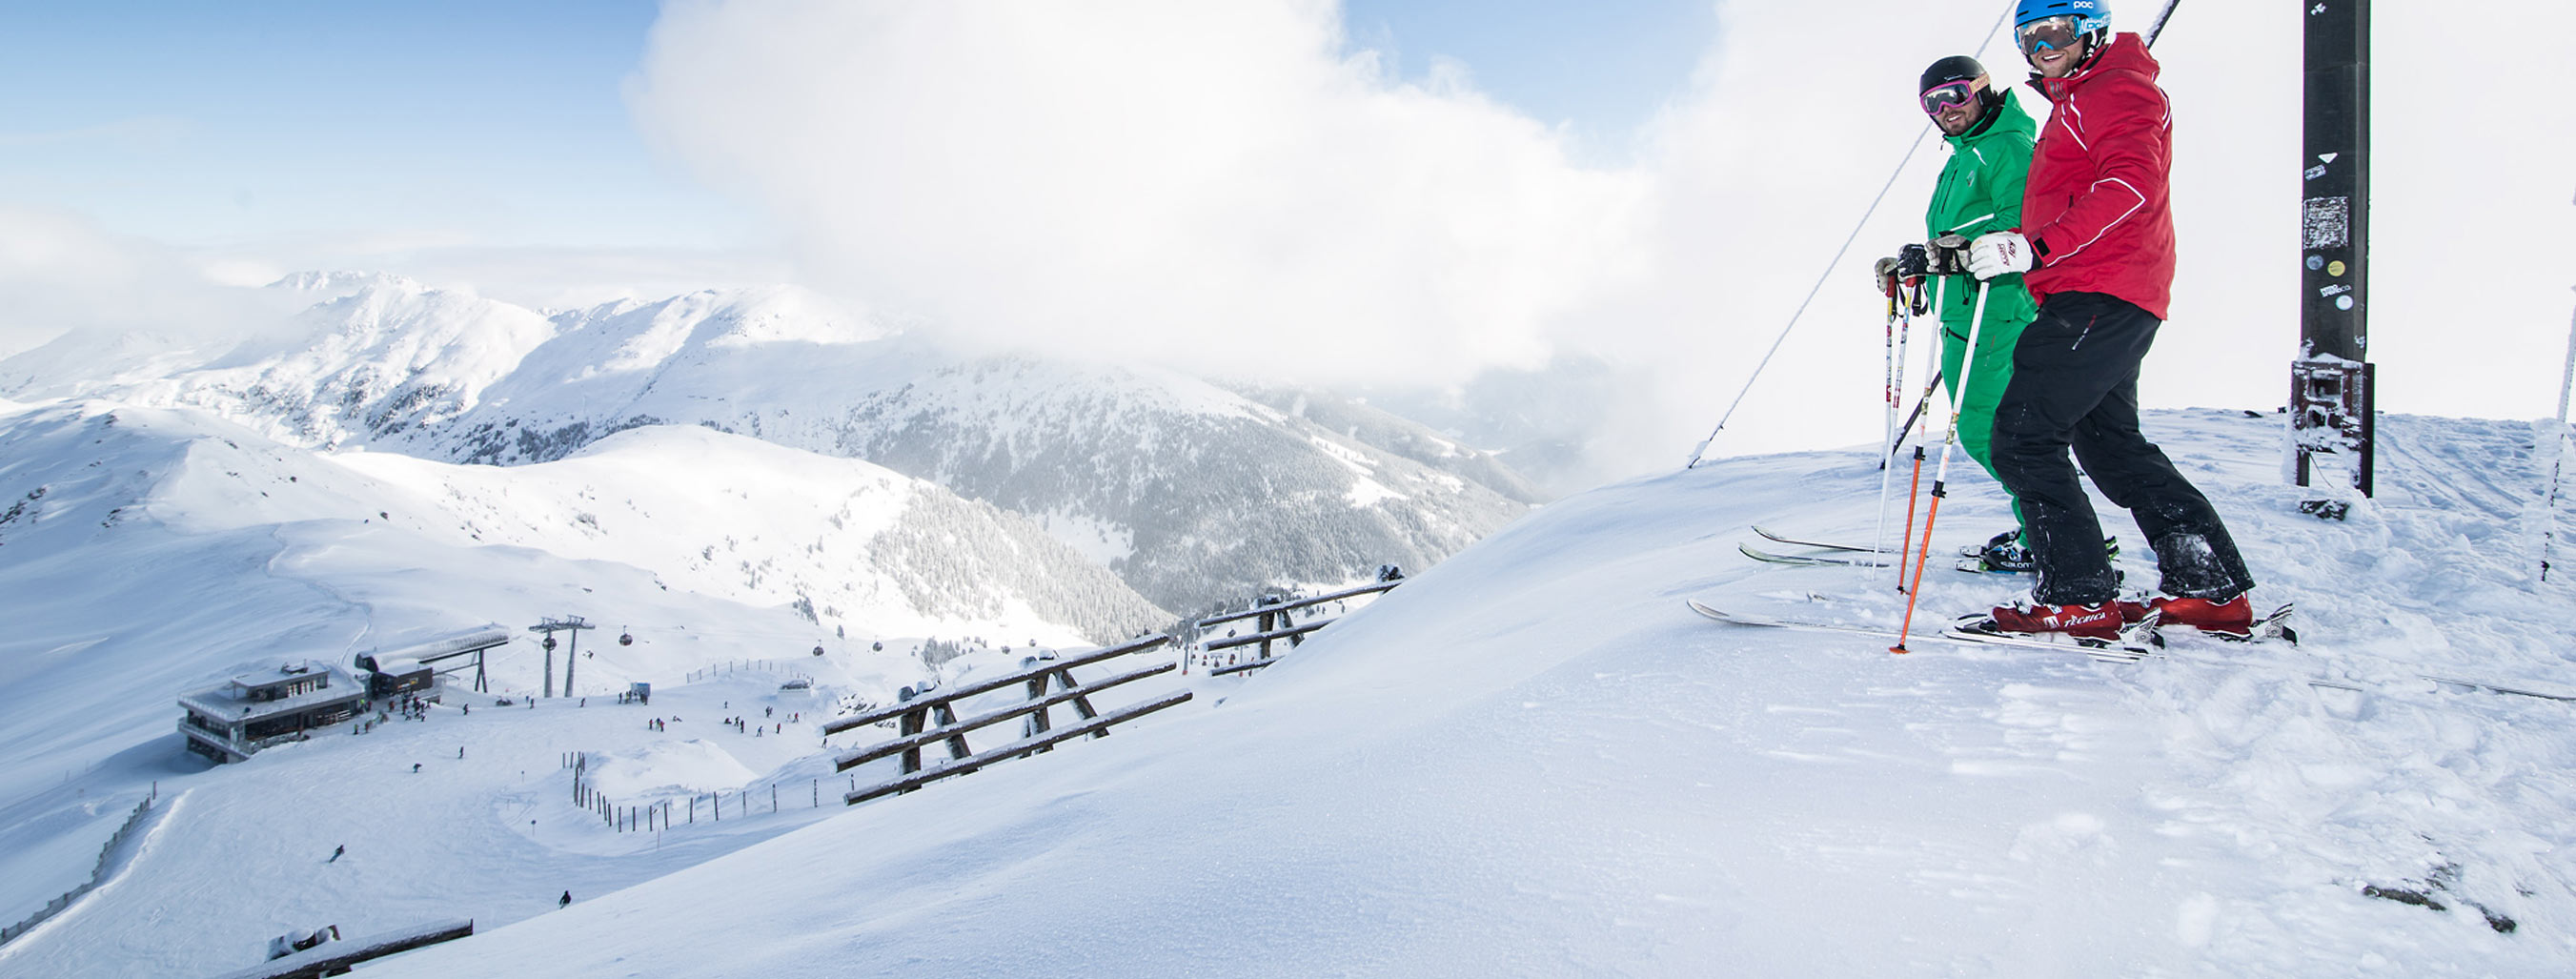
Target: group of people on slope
[[2068, 232]]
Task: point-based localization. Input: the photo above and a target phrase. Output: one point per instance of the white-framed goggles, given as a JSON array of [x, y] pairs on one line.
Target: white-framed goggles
[[2048, 33]]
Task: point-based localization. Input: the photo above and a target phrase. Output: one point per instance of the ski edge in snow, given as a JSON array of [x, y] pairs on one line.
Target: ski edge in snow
[[2103, 653], [1827, 545], [1809, 560]]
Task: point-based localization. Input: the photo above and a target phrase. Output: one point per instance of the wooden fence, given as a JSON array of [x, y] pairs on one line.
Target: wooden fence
[[918, 715], [667, 814], [1277, 623], [106, 862], [783, 668]]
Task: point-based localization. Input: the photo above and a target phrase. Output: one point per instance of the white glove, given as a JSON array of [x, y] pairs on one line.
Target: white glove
[[1998, 253]]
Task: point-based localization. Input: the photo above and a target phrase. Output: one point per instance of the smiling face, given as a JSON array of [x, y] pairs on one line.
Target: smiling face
[[2052, 45], [2058, 62], [1955, 106], [1955, 119]]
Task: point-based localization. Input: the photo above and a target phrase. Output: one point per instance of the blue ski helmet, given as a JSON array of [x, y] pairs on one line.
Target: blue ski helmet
[[2092, 17]]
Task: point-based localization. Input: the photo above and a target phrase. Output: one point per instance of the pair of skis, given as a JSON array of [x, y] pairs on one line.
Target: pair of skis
[[1844, 556], [2136, 643]]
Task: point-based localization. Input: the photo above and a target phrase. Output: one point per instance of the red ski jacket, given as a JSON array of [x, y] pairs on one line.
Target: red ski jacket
[[2096, 209]]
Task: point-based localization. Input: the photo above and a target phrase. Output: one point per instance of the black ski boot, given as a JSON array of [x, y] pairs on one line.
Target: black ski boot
[[2004, 554]]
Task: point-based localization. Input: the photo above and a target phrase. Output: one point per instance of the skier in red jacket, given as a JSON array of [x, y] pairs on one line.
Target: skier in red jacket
[[2097, 245]]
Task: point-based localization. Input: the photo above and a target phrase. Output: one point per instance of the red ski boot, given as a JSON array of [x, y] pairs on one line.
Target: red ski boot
[[2100, 621], [2233, 617]]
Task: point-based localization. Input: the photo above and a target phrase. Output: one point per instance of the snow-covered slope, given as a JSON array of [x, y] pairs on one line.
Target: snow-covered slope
[[147, 552], [1532, 760], [1194, 495], [848, 545]]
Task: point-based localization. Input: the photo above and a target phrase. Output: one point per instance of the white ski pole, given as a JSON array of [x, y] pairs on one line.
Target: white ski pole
[[2548, 507], [1895, 394]]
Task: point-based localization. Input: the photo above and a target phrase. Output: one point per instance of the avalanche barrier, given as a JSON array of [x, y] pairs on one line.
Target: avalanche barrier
[[918, 714]]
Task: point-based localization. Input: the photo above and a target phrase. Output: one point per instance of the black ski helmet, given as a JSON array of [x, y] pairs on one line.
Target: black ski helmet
[[1961, 68]]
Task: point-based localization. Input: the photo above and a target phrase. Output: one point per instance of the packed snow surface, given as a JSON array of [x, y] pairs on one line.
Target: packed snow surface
[[1530, 760]]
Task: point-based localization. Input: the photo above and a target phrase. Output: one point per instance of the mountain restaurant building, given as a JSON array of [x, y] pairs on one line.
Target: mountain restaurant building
[[257, 710]]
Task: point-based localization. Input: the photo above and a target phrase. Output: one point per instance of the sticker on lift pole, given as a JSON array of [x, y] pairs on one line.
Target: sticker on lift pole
[[2326, 222]]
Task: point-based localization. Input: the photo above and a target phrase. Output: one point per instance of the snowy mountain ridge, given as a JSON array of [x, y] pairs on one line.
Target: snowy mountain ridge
[[1196, 495]]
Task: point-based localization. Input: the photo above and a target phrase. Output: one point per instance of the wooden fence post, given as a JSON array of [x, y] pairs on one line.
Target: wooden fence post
[[1038, 722], [912, 724]]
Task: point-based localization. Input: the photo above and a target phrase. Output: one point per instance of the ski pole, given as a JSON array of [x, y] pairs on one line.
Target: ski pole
[[1892, 391], [1904, 339], [2549, 508], [1911, 417], [1913, 491], [1941, 475], [1887, 375], [1914, 485]]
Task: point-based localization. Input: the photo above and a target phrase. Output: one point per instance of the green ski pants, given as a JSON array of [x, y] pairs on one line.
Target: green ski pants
[[1976, 406]]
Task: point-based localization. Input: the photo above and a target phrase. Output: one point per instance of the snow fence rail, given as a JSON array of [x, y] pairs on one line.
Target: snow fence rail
[[917, 716], [332, 958], [1278, 623]]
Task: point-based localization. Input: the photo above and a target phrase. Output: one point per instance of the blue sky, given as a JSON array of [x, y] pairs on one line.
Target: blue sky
[[198, 123], [323, 127], [1599, 68]]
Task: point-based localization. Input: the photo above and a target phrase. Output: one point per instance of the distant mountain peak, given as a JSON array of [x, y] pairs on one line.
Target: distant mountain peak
[[333, 284]]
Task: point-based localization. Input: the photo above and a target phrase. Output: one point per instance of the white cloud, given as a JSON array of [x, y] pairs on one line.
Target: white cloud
[[1208, 183], [61, 272], [1227, 184]]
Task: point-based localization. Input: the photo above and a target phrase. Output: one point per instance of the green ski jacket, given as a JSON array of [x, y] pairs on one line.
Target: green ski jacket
[[1980, 191]]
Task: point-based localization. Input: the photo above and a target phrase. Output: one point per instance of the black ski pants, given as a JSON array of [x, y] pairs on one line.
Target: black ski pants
[[2075, 385]]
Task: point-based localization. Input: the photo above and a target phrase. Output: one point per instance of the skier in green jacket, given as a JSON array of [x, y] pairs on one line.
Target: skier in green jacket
[[1979, 191]]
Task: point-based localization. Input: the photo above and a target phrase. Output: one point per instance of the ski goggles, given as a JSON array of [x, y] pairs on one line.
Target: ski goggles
[[2053, 33], [1947, 95]]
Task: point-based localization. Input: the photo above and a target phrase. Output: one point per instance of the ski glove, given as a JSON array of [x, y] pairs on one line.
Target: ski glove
[[1998, 253], [1885, 271]]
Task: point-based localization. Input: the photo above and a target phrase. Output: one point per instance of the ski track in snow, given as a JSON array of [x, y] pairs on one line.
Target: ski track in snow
[[1533, 760]]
